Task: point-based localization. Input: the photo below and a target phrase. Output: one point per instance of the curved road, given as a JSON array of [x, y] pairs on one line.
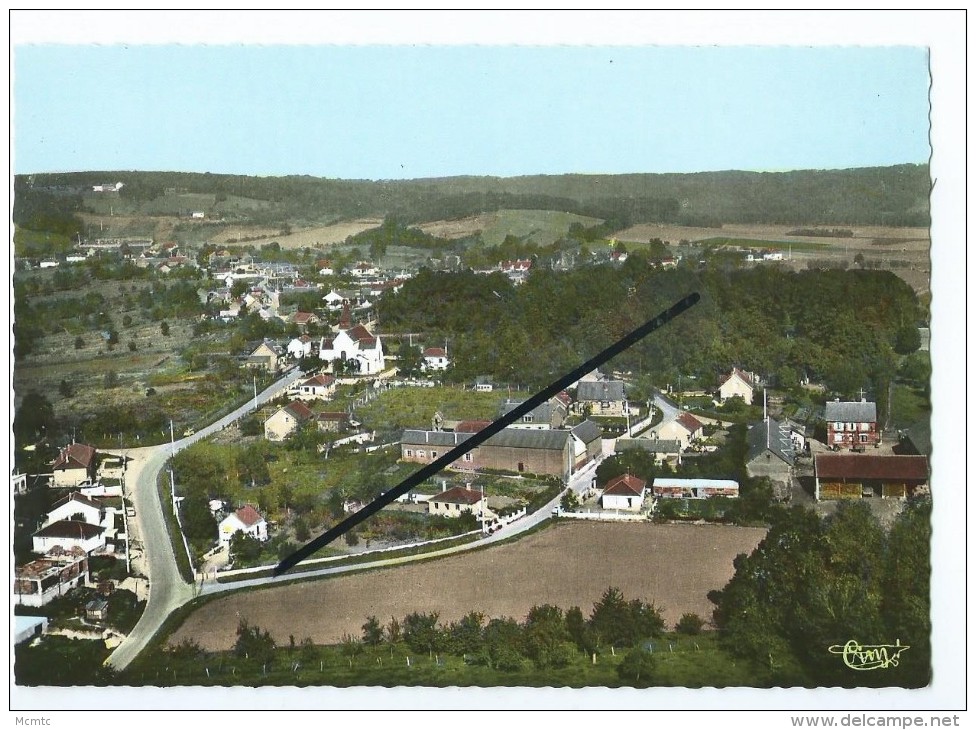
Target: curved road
[[167, 589]]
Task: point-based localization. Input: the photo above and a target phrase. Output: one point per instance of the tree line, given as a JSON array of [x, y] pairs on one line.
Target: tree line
[[847, 329]]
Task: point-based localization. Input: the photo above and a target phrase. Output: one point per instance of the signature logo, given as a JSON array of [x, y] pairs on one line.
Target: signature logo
[[864, 657]]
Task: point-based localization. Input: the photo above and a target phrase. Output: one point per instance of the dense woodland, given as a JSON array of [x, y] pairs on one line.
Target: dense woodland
[[844, 328]]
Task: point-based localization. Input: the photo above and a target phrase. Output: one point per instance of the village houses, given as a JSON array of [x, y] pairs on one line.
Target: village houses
[[247, 520], [684, 429], [737, 383], [625, 492], [354, 345], [286, 420], [75, 465], [852, 425], [601, 398]]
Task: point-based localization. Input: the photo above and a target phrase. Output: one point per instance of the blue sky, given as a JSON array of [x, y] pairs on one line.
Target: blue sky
[[383, 112]]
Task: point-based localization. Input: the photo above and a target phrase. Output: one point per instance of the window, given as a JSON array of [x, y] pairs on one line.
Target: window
[[468, 457], [409, 452], [838, 426], [421, 453], [521, 466], [433, 454], [838, 437], [864, 438], [527, 418]]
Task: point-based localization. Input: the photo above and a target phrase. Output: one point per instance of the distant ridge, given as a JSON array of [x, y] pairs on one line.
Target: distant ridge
[[896, 195]]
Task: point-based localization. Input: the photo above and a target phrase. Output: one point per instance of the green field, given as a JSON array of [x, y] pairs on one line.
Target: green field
[[415, 407], [721, 241], [542, 227]]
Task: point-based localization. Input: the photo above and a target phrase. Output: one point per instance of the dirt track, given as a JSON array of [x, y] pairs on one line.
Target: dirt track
[[673, 566]]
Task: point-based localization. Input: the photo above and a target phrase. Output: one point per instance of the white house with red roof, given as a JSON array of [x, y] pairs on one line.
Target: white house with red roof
[[363, 270], [737, 383], [74, 465], [286, 420], [435, 358], [624, 492], [317, 387], [247, 520], [355, 344], [684, 429], [517, 270]]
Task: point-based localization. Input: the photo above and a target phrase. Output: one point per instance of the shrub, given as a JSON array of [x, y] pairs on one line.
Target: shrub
[[689, 623]]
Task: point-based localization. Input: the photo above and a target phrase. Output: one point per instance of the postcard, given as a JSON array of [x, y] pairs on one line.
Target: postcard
[[487, 360]]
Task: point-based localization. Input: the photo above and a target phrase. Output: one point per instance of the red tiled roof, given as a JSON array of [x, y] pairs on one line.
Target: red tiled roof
[[77, 497], [299, 410], [458, 495], [248, 515], [75, 456], [471, 426], [858, 466], [626, 485], [360, 333], [71, 529], [744, 376], [333, 416], [435, 352], [689, 422], [304, 317], [320, 381]]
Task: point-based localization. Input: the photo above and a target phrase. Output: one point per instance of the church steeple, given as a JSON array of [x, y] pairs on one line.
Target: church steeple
[[345, 321]]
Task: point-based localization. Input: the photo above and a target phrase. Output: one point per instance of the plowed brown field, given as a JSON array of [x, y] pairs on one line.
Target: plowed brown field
[[673, 566]]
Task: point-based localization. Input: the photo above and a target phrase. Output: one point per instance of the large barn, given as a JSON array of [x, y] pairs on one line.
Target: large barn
[[852, 476]]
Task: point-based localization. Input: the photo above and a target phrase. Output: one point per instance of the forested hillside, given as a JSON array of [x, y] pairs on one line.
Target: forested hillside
[[842, 327], [894, 196]]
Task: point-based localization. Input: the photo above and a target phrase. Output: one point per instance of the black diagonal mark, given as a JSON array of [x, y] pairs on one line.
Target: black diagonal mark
[[475, 440]]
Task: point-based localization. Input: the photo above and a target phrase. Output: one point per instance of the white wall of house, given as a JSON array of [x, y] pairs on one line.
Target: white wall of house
[[69, 477], [734, 386], [279, 426], [43, 545], [617, 501], [231, 525], [93, 515]]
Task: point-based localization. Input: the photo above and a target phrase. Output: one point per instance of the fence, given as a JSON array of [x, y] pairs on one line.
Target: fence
[[605, 516], [333, 558]]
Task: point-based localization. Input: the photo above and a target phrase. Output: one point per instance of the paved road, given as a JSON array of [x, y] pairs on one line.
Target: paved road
[[667, 406], [167, 589]]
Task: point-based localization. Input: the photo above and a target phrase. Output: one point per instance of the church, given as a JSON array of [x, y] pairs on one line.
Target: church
[[354, 345]]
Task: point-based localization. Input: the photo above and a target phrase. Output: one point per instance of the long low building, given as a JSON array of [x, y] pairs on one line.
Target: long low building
[[852, 476], [673, 488], [548, 452]]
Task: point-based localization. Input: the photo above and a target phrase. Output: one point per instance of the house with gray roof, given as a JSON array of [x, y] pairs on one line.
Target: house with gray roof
[[551, 414], [771, 455], [601, 398], [851, 424], [588, 442], [530, 451], [664, 450]]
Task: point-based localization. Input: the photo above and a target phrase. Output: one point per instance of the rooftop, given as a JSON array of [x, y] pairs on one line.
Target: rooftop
[[863, 466]]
